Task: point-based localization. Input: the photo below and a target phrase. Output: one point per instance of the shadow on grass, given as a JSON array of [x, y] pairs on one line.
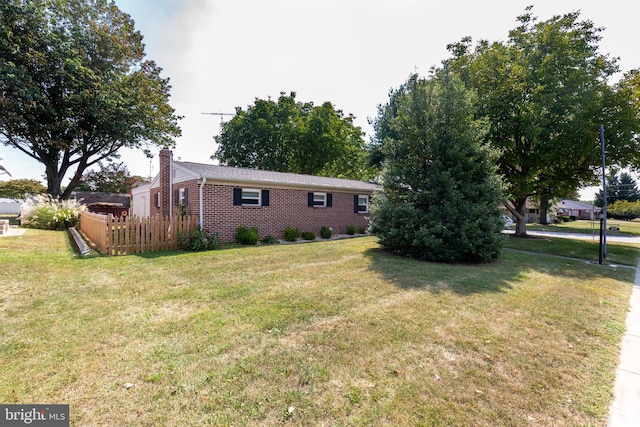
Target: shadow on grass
[[463, 279], [496, 277]]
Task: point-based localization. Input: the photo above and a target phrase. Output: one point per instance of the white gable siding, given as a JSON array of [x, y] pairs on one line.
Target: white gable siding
[[141, 202]]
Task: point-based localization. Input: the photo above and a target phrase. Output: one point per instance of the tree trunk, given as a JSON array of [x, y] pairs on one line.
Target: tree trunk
[[544, 206], [517, 208]]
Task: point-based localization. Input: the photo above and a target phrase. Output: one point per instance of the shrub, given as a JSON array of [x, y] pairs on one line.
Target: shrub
[[197, 239], [46, 213], [362, 230], [325, 232], [308, 235], [247, 236], [291, 234], [269, 240], [624, 209], [351, 230]]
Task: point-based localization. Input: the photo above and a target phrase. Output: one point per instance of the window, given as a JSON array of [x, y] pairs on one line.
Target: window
[[181, 197], [250, 197], [361, 204], [320, 200], [156, 200]]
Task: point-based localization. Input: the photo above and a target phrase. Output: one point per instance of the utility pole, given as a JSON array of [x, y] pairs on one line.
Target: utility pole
[[603, 226]]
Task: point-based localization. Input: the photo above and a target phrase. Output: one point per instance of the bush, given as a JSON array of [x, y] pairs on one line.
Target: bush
[[291, 234], [247, 236], [308, 235], [269, 240], [351, 230], [46, 213], [362, 230], [325, 232], [623, 209], [197, 239]]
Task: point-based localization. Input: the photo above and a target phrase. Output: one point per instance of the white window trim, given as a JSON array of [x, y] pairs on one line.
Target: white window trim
[[259, 199], [324, 200], [366, 205], [181, 196]]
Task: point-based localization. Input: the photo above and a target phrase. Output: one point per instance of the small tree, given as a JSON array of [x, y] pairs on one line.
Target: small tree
[[19, 189], [441, 193], [110, 178]]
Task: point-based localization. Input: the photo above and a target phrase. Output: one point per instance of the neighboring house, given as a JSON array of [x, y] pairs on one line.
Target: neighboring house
[[105, 203], [532, 212], [580, 210], [225, 198], [141, 203], [9, 206]]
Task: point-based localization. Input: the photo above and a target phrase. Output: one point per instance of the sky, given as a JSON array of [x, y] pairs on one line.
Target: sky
[[223, 54]]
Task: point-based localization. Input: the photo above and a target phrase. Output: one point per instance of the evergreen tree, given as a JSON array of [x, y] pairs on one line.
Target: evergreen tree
[[441, 193]]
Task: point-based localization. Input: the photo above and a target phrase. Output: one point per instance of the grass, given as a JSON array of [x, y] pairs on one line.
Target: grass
[[617, 253], [327, 333]]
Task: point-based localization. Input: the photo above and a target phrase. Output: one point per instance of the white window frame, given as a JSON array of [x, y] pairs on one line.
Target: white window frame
[[181, 196], [257, 199], [323, 203], [366, 204]]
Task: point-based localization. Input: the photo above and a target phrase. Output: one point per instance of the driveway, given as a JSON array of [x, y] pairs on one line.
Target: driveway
[[580, 236]]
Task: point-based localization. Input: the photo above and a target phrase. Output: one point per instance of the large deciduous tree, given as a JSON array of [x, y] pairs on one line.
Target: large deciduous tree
[[545, 92], [291, 136], [442, 195], [75, 88]]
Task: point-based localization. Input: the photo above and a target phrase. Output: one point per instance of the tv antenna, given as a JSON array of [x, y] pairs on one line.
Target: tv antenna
[[220, 114]]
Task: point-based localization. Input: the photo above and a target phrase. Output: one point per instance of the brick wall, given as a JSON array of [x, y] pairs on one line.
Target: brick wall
[[165, 183], [287, 208]]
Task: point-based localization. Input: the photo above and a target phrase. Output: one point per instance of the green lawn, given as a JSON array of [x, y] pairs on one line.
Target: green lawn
[[617, 253], [327, 333]]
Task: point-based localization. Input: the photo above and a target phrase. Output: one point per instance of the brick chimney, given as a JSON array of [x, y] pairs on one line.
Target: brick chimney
[[166, 159]]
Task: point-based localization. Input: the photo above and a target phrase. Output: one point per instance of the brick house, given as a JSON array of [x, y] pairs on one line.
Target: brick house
[[225, 198]]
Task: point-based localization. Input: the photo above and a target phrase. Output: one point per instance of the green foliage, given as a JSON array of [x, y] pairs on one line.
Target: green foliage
[[269, 240], [325, 232], [247, 236], [624, 209], [545, 93], [76, 87], [290, 136], [197, 239], [362, 230], [291, 234], [19, 189], [441, 193], [619, 187], [308, 235], [110, 178], [351, 230], [46, 213]]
